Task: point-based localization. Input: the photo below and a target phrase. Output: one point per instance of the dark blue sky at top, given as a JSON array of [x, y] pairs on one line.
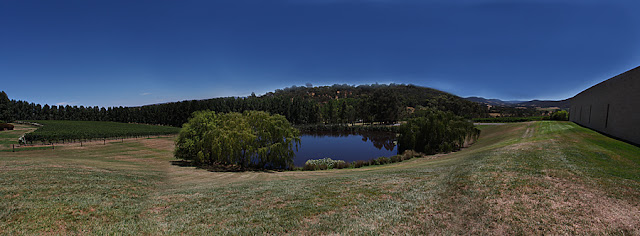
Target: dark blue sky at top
[[112, 53]]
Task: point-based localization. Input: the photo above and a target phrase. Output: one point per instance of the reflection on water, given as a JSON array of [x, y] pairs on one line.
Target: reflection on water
[[347, 146], [379, 139]]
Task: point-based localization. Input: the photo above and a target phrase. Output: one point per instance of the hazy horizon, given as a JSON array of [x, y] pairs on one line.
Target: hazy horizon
[[120, 53]]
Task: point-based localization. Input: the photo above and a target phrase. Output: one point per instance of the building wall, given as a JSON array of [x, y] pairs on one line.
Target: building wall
[[611, 107]]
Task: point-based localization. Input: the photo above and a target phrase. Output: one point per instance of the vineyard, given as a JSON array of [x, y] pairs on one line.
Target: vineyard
[[509, 119], [56, 131]]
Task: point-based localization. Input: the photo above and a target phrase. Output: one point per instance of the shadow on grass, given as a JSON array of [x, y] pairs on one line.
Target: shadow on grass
[[223, 168]]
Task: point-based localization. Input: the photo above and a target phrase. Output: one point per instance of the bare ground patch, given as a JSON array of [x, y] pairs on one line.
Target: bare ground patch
[[524, 146], [530, 131]]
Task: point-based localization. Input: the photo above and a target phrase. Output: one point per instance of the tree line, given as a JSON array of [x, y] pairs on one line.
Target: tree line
[[337, 104], [298, 111]]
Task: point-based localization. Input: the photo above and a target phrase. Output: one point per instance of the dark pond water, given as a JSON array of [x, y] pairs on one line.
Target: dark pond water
[[345, 146]]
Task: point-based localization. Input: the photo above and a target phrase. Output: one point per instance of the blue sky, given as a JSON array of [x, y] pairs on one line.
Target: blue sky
[[112, 53]]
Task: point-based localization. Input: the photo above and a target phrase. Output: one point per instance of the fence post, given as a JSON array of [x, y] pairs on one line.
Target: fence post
[[104, 141], [13, 148], [53, 146], [80, 143]]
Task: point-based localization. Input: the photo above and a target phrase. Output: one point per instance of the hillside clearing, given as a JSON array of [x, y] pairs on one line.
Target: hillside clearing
[[536, 177]]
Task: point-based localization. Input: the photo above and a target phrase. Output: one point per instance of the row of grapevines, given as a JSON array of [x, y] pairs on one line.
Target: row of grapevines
[[62, 130]]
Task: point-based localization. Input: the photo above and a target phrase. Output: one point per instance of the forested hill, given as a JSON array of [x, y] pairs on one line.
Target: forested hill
[[409, 95], [300, 105]]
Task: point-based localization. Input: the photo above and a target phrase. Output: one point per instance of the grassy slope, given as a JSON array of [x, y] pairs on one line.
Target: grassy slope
[[528, 177], [9, 137]]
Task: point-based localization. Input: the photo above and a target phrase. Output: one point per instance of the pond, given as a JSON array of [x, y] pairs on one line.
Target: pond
[[345, 146]]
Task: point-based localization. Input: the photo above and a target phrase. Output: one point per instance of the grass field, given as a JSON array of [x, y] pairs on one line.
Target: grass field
[[9, 137], [508, 119], [534, 178]]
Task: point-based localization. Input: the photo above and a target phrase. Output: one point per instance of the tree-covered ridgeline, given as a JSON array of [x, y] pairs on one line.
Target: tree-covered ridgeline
[[337, 104], [433, 131], [248, 139], [380, 102]]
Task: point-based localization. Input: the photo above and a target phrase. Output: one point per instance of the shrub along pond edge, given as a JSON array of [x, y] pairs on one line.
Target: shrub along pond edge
[[313, 164], [328, 163]]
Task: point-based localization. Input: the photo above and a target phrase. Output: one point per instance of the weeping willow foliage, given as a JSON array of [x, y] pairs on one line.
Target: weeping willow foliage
[[252, 138], [435, 131]]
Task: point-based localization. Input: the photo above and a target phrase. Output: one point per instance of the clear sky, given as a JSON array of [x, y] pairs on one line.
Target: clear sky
[[112, 53]]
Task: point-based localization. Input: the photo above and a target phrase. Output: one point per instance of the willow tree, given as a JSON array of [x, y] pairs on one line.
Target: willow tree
[[435, 131], [252, 138]]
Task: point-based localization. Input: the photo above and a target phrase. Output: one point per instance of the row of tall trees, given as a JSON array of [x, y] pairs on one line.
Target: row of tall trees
[[298, 111], [300, 105], [4, 106]]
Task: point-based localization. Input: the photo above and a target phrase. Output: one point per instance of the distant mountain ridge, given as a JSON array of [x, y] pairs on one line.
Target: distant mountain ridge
[[563, 104]]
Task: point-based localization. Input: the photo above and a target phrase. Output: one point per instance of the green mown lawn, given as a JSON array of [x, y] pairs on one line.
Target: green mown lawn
[[542, 177]]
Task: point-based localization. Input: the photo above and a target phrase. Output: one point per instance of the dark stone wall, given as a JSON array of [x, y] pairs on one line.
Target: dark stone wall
[[611, 107]]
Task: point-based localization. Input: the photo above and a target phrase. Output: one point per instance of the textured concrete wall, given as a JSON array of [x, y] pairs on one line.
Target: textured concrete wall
[[611, 107]]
